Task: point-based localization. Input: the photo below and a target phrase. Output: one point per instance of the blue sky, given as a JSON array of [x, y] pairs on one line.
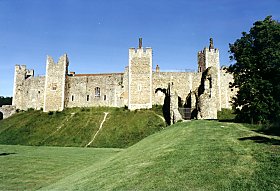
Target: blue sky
[[96, 34]]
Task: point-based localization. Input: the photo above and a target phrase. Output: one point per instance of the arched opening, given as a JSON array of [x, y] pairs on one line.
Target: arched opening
[[166, 104], [1, 115]]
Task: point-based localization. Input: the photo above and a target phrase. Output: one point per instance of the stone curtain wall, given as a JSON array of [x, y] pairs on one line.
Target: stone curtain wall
[[34, 88], [227, 93], [138, 87], [82, 90], [181, 83]]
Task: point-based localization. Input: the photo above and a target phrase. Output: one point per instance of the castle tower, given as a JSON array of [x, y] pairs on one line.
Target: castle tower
[[55, 84], [209, 58], [140, 77], [21, 74]]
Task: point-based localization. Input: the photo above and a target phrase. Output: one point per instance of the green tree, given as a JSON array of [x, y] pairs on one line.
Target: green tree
[[257, 72], [5, 101]]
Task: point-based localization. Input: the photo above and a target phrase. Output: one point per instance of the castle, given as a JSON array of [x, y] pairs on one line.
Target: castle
[[139, 87]]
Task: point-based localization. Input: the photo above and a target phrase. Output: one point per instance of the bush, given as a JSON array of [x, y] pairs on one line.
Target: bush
[[226, 115]]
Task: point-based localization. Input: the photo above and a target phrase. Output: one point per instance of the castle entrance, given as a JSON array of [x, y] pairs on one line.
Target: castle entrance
[[186, 113]]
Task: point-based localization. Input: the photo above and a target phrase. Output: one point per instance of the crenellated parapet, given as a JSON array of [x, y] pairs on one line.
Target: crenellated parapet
[[208, 57]]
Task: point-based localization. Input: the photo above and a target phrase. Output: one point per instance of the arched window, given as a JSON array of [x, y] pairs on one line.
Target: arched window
[[97, 92]]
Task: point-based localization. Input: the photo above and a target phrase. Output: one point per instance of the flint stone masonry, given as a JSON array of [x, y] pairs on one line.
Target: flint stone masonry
[[140, 78], [7, 110], [138, 87]]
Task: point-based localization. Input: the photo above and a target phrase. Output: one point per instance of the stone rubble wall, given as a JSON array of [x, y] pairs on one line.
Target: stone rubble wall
[[28, 90], [7, 110], [227, 93], [206, 91], [82, 91], [208, 94], [183, 82]]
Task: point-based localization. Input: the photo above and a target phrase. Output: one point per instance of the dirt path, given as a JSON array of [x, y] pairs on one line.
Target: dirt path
[[100, 127]]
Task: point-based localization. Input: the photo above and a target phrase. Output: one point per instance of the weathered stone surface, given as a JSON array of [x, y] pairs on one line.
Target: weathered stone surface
[[205, 91], [140, 78], [7, 110]]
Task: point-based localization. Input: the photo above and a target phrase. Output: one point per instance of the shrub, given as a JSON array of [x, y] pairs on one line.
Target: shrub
[[226, 115]]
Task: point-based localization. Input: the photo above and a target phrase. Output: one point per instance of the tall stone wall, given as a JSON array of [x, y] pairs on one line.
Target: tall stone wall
[[56, 74], [227, 93], [205, 91], [183, 82], [88, 90], [28, 90], [140, 78]]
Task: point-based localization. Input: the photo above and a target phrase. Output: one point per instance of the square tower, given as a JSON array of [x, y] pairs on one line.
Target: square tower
[[208, 57], [55, 84], [140, 78]]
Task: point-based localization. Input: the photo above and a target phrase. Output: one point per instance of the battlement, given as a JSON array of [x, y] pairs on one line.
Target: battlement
[[21, 69], [215, 50], [63, 59], [140, 51]]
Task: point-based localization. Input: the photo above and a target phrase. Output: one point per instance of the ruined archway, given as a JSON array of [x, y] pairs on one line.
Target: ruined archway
[[166, 104], [1, 115]]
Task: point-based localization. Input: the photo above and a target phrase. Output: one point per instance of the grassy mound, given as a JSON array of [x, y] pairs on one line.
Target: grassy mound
[[197, 155], [77, 127]]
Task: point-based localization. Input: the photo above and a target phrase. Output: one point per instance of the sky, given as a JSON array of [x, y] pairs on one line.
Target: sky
[[96, 34]]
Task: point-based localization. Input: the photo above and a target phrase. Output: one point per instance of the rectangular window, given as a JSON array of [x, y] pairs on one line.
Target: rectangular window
[[72, 98], [139, 87], [87, 97], [54, 86], [104, 97], [97, 92]]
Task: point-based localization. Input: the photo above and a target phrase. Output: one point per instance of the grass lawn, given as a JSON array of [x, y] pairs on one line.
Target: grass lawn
[[197, 155], [75, 127]]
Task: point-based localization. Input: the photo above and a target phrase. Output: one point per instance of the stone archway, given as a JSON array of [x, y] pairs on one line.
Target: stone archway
[[1, 115], [166, 104]]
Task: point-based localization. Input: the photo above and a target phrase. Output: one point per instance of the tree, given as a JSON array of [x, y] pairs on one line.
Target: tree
[[5, 101], [257, 72]]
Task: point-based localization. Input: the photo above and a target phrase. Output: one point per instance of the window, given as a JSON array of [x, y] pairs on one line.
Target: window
[[97, 92], [139, 87], [87, 97], [104, 97], [54, 86], [72, 98]]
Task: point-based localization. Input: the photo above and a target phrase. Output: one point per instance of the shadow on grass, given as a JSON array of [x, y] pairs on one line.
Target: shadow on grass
[[271, 131], [226, 120], [260, 139], [6, 154]]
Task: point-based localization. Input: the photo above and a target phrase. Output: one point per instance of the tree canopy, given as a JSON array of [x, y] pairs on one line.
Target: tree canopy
[[5, 101], [257, 72]]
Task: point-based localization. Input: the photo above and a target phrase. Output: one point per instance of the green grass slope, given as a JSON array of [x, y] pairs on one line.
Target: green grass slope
[[197, 155], [77, 126]]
